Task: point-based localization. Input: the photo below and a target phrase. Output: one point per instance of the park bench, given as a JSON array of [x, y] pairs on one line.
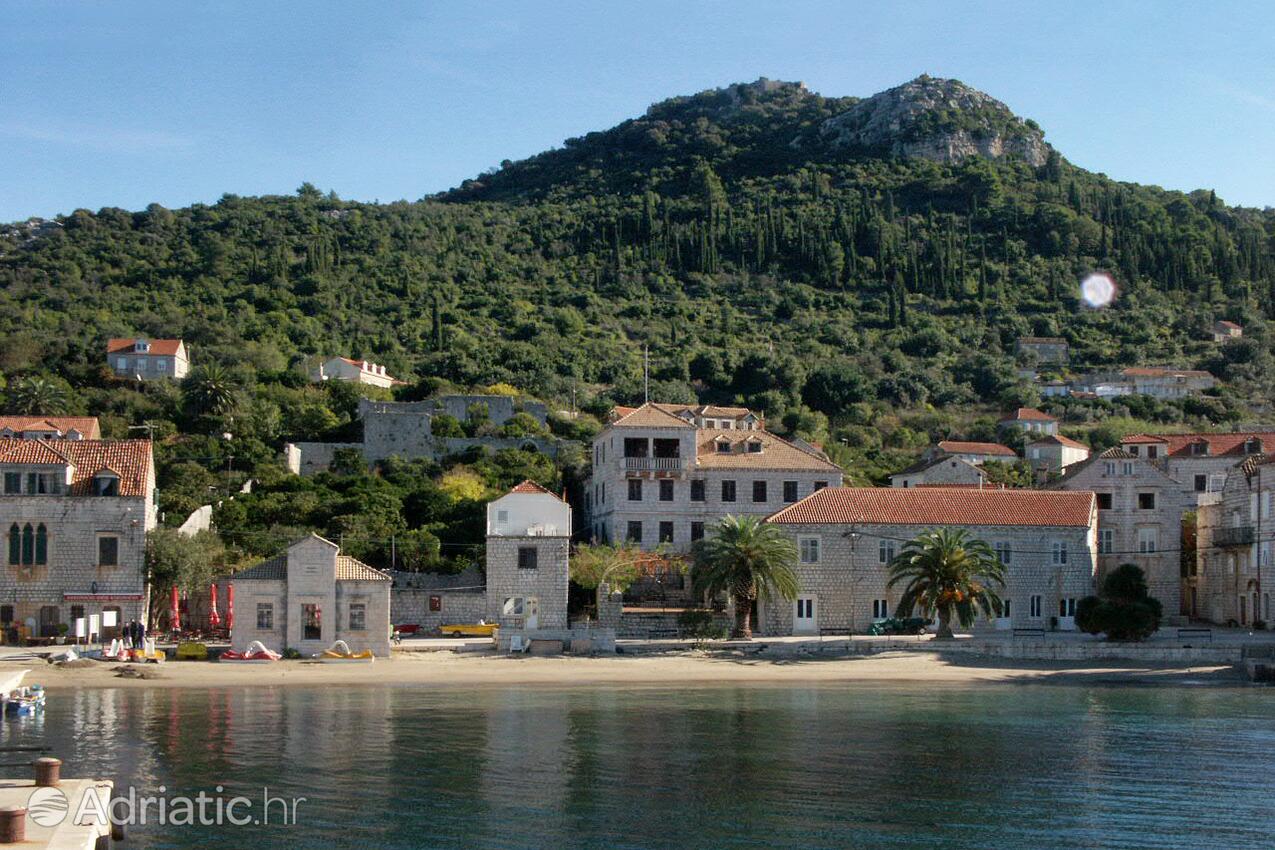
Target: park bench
[[1028, 631], [1205, 634], [829, 631]]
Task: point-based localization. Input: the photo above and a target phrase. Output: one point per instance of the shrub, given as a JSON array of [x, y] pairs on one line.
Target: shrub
[[700, 624], [1123, 610]]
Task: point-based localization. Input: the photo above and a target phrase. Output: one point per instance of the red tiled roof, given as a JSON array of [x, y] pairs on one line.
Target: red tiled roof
[[1219, 444], [934, 506], [86, 425], [158, 346], [129, 459], [1029, 413], [650, 415], [530, 486], [1059, 439], [776, 453], [1232, 326], [958, 447]]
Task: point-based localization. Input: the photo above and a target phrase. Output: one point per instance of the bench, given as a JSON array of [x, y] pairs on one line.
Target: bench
[[1025, 631], [1206, 634], [654, 634], [827, 631]]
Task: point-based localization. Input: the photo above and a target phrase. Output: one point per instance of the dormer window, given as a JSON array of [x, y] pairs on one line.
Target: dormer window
[[106, 484], [141, 346], [723, 446], [754, 447], [1252, 446], [1200, 448]]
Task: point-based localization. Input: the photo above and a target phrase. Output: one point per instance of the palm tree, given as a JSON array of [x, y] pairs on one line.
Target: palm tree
[[208, 390], [746, 558], [950, 573], [36, 396]]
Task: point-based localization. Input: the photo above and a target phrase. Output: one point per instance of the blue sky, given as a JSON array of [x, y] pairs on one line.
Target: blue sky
[[126, 103]]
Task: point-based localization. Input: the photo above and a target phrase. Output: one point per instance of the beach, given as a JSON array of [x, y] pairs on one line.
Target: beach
[[473, 669]]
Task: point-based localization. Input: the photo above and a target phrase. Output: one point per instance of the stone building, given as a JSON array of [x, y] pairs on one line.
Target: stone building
[[1200, 462], [1043, 349], [663, 474], [1140, 510], [147, 359], [310, 597], [355, 371], [1030, 421], [431, 600], [50, 428], [1154, 381], [973, 452], [1235, 536], [846, 538], [1224, 331], [940, 471], [1055, 453], [75, 515], [528, 543]]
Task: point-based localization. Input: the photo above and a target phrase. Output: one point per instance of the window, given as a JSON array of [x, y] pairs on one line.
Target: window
[[1146, 501], [1217, 483], [28, 545], [358, 617], [1106, 538], [728, 491], [885, 551], [1005, 608], [759, 491], [435, 603], [819, 485], [1104, 501], [265, 616], [1153, 452], [635, 446], [77, 611], [15, 545], [502, 517], [106, 485], [666, 490], [1034, 606], [808, 548], [527, 556], [697, 531], [666, 532], [1059, 552], [754, 447], [635, 531], [697, 491], [121, 362], [635, 489], [1148, 540], [880, 609], [1126, 468], [1067, 607], [723, 447], [161, 365], [512, 607], [805, 608], [108, 551], [311, 622], [1004, 552], [790, 491], [12, 483], [1109, 468]]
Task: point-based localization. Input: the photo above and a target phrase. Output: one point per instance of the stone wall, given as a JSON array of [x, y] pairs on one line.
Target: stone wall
[[851, 573], [313, 458], [547, 583], [412, 605]]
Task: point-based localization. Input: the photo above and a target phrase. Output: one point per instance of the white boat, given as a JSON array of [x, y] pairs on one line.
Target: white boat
[[21, 700]]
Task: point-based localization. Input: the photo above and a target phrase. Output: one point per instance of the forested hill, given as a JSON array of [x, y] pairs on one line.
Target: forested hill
[[857, 268]]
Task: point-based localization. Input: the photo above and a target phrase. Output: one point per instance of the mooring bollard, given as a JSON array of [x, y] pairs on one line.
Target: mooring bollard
[[13, 824], [48, 772]]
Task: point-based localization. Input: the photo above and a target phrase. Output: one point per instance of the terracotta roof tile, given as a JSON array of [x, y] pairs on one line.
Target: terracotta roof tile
[[959, 447], [651, 416], [352, 569], [1029, 414], [158, 346], [935, 506], [530, 486], [1059, 440], [1231, 443], [131, 460], [86, 425], [276, 569], [776, 453]]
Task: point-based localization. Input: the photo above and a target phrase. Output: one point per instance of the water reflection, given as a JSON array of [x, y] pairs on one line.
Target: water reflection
[[398, 767]]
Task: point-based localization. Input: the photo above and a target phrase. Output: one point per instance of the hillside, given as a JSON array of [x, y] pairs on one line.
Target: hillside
[[856, 268]]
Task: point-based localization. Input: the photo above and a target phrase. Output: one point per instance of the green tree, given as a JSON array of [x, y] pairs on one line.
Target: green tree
[[950, 573], [189, 563], [37, 396], [208, 391], [615, 565], [745, 558], [1124, 610]]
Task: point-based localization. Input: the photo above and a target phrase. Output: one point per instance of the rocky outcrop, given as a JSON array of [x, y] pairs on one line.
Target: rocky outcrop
[[936, 119]]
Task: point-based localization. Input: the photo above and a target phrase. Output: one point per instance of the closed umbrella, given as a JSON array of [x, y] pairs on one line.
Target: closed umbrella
[[230, 607], [213, 617], [174, 612]]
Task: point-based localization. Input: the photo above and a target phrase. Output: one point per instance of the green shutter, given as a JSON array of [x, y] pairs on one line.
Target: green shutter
[[41, 545], [15, 544]]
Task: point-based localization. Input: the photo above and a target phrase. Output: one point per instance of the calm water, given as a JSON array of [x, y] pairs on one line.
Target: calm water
[[719, 767]]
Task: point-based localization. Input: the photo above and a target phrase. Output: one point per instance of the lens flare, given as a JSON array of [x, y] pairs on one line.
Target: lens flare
[[1098, 290]]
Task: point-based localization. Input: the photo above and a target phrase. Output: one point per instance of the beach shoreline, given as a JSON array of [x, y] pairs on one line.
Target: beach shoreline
[[679, 669]]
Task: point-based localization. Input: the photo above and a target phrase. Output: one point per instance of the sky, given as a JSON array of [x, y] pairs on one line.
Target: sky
[[126, 103]]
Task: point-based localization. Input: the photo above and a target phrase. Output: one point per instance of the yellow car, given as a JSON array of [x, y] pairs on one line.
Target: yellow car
[[468, 629]]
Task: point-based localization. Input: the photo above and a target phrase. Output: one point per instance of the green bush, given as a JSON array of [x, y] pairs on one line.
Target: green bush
[[700, 624], [1123, 610]]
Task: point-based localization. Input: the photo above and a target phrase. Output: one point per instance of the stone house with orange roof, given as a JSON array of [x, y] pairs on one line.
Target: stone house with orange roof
[[1030, 421], [847, 536], [355, 371], [1055, 453], [50, 428], [143, 359], [663, 474], [75, 515]]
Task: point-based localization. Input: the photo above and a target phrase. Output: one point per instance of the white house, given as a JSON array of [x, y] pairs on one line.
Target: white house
[[1055, 453], [528, 538], [974, 452], [357, 371], [940, 471], [1224, 331], [1031, 421], [142, 359]]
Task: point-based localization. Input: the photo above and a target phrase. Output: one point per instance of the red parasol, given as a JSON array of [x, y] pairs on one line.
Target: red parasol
[[174, 612], [214, 618], [230, 606]]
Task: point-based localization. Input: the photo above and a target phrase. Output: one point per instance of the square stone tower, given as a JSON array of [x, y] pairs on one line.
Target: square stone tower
[[528, 539]]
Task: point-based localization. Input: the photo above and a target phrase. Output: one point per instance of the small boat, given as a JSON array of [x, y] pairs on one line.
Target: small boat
[[339, 653], [256, 653], [24, 701]]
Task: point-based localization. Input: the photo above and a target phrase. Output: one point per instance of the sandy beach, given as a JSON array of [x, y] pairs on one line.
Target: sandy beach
[[445, 669]]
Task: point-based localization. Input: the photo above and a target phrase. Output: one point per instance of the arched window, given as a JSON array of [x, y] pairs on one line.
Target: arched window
[[15, 544], [41, 544], [28, 545]]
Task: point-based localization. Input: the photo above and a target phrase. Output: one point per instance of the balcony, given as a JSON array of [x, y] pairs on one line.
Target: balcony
[[653, 464], [1240, 535]]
